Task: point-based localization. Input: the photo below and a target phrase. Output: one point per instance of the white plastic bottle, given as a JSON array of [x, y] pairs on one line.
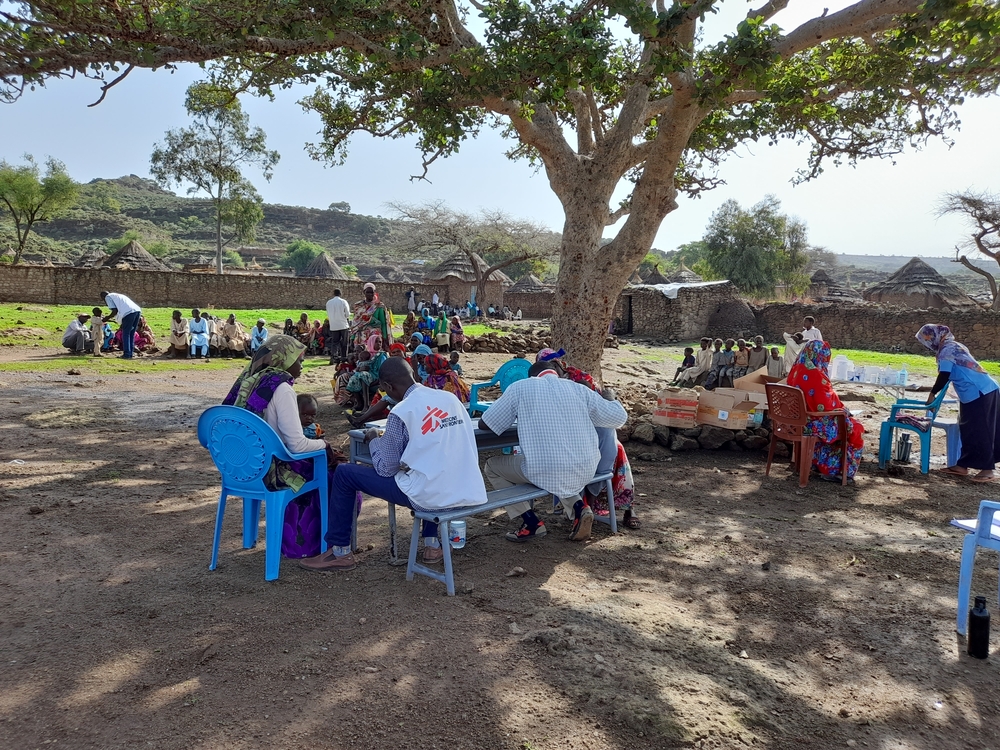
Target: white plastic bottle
[[902, 377], [457, 537]]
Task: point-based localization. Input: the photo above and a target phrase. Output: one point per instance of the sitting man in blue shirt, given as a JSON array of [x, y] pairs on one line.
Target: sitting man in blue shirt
[[258, 334], [426, 459]]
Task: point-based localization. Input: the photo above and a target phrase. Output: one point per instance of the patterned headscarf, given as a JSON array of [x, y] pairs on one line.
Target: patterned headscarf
[[815, 355], [268, 369], [440, 374], [940, 340], [547, 355]]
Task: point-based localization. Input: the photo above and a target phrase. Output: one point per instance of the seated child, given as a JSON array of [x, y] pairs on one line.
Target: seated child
[[689, 361], [455, 365], [97, 330], [718, 365], [308, 406], [741, 359], [776, 365]]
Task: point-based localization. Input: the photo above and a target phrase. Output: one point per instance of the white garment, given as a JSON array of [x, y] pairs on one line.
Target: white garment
[[702, 364], [441, 452], [792, 350], [434, 298], [338, 311], [555, 427], [813, 334], [283, 415], [121, 304]]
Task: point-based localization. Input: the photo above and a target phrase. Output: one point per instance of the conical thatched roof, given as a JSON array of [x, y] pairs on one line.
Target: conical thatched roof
[[823, 286], [92, 259], [655, 277], [529, 283], [918, 285], [636, 278], [377, 278], [399, 276], [459, 266], [134, 257], [324, 267], [685, 275]]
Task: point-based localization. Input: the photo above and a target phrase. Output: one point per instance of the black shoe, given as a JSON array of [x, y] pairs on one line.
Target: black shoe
[[583, 521], [526, 533]]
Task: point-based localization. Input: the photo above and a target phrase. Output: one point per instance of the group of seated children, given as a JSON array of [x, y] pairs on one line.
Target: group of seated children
[[722, 365]]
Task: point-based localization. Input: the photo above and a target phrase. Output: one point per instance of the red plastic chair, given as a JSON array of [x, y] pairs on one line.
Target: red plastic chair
[[786, 407]]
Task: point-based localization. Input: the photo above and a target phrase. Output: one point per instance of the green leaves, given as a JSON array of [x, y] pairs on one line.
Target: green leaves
[[29, 197]]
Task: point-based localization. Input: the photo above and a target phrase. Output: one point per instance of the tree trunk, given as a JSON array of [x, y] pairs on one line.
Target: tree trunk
[[218, 239]]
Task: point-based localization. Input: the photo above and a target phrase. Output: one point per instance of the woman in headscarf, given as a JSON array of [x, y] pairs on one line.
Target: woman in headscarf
[[457, 333], [370, 316], [978, 402], [366, 375], [418, 361], [409, 325], [811, 375], [441, 377], [289, 329], [613, 455], [145, 340], [425, 326]]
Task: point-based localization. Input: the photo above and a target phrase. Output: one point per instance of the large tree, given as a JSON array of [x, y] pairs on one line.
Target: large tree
[[491, 241], [601, 94], [210, 156], [29, 197], [981, 209]]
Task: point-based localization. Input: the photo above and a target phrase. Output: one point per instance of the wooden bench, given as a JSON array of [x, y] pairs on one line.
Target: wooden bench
[[519, 493]]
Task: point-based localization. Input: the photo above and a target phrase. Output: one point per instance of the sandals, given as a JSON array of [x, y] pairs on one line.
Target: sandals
[[952, 471], [630, 521]]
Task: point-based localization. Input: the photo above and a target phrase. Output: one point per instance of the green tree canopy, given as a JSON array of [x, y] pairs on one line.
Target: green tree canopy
[[210, 156], [599, 94], [28, 197], [299, 254]]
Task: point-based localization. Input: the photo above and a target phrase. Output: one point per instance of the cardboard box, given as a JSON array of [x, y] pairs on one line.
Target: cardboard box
[[676, 407], [727, 407], [755, 381]]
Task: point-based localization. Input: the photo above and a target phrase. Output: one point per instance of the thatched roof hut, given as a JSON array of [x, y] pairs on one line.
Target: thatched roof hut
[[636, 279], [919, 286], [655, 277], [529, 283], [459, 267], [134, 257], [685, 275], [822, 286], [399, 276], [324, 267], [377, 278], [92, 259]]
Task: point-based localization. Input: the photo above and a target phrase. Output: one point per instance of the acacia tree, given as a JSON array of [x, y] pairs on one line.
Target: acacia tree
[[30, 198], [210, 156], [982, 210], [600, 93], [491, 241]]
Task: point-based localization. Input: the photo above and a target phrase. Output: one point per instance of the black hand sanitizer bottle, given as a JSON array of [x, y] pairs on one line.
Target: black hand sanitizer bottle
[[979, 629]]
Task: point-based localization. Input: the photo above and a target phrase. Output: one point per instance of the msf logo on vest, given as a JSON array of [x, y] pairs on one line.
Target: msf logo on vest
[[436, 418]]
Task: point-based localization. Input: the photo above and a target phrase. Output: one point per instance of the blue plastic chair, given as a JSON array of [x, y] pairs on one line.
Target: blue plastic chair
[[980, 532], [886, 433], [509, 372], [242, 446]]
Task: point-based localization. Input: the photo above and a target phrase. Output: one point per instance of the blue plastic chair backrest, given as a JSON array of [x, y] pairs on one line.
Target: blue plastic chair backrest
[[241, 444], [935, 405], [511, 372]]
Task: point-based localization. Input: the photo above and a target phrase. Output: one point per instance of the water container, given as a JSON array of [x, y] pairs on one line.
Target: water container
[[902, 377], [839, 368], [458, 530], [979, 629], [890, 377]]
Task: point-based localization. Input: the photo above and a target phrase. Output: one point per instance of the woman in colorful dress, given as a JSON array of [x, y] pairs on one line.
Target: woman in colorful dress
[[145, 340], [409, 325], [613, 455], [811, 375], [370, 316], [978, 403], [457, 334], [441, 377]]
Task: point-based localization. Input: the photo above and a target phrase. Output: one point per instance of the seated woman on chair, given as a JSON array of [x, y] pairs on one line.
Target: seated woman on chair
[[978, 402], [811, 375]]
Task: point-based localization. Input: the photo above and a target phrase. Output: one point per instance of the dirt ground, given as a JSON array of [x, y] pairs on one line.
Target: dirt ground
[[746, 612]]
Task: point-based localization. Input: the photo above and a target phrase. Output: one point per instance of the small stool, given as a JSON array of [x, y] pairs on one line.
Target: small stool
[[954, 438]]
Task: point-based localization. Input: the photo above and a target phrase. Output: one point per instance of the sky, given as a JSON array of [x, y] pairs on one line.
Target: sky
[[879, 207]]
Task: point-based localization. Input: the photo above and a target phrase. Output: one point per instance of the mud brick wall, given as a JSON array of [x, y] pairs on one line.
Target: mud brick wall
[[881, 328], [82, 286], [683, 319], [533, 305]]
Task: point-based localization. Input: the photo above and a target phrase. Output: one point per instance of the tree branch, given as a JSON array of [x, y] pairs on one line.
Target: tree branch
[[868, 16], [990, 279]]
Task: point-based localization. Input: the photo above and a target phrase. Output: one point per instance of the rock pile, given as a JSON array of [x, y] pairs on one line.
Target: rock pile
[[519, 341]]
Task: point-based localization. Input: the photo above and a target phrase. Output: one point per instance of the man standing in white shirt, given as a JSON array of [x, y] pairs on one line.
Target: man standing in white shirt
[[556, 420], [77, 335], [809, 330], [127, 313], [338, 312]]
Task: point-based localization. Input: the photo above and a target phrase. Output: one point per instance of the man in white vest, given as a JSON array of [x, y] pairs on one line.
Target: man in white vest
[[426, 459]]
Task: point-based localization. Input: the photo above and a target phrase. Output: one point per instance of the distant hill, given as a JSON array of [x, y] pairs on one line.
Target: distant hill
[[180, 229], [865, 270]]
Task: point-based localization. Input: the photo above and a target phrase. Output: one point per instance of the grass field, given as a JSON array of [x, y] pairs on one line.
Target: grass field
[[51, 320]]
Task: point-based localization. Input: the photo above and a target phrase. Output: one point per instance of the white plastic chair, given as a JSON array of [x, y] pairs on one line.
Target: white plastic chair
[[980, 532]]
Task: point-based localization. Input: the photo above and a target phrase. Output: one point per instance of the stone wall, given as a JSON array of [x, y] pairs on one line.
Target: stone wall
[[881, 328], [82, 286], [647, 311], [533, 305]]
